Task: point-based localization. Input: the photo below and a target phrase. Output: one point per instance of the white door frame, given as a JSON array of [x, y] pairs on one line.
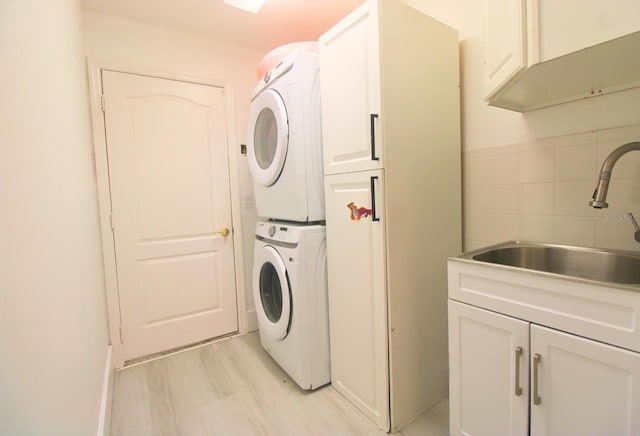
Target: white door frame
[[104, 194]]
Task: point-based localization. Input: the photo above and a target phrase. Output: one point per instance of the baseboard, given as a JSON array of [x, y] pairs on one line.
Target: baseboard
[[252, 320], [104, 421]]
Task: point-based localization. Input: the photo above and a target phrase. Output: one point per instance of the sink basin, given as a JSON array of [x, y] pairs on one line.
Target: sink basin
[[610, 266]]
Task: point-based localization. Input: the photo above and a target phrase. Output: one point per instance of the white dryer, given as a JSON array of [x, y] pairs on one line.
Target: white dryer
[[290, 294], [284, 141]]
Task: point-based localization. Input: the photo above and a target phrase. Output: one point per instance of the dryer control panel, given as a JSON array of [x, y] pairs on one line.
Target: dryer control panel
[[285, 232]]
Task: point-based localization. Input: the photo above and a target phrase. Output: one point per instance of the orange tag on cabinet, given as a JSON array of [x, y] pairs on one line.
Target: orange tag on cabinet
[[357, 213]]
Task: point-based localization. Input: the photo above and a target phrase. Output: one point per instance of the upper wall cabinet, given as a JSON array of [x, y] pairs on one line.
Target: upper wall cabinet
[[540, 53]]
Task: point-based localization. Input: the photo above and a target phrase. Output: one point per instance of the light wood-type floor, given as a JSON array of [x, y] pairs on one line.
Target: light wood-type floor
[[232, 387]]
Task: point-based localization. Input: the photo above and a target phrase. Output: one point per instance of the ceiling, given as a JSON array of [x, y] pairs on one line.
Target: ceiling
[[279, 22]]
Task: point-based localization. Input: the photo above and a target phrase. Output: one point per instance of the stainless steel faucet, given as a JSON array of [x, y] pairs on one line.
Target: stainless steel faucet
[[600, 194]]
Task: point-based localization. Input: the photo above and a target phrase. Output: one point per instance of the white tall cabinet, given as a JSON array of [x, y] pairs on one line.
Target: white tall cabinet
[[391, 138]]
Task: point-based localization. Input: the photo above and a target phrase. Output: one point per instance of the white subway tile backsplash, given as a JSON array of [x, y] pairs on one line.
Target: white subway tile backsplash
[[533, 228], [472, 199], [539, 191], [536, 166], [492, 170], [572, 199], [535, 199], [490, 227], [576, 163], [500, 199], [474, 227], [492, 151], [502, 227], [574, 231], [577, 139], [539, 144]]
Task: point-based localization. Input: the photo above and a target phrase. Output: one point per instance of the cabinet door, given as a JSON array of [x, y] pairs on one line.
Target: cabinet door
[[584, 387], [350, 77], [488, 363], [505, 42], [357, 291], [592, 22]]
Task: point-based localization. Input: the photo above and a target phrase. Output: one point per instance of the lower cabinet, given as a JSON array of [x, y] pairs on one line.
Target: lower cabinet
[[489, 377], [512, 377]]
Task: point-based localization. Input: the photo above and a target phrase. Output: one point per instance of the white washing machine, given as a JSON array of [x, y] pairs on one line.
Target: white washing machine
[[285, 141], [290, 294]]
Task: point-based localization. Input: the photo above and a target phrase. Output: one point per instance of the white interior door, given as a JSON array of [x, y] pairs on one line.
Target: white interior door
[[170, 194]]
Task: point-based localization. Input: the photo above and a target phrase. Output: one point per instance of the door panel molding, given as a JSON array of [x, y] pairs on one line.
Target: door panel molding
[[94, 68]]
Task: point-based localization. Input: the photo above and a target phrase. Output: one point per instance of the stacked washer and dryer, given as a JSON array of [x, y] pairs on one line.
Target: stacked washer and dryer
[[290, 257]]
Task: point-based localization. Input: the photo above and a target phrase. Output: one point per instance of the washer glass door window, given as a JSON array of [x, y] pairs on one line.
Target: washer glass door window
[[273, 302], [268, 137]]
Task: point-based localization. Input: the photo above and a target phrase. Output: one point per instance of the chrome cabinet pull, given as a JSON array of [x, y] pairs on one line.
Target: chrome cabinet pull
[[536, 361], [373, 136], [519, 352]]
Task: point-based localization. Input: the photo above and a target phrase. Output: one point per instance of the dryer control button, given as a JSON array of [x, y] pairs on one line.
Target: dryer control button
[[272, 230]]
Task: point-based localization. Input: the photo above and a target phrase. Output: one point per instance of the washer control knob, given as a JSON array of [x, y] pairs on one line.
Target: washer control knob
[[272, 230]]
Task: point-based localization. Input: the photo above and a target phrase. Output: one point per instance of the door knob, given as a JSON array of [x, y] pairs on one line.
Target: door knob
[[224, 232]]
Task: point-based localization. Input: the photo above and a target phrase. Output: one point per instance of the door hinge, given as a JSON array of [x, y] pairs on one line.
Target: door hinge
[[121, 338], [112, 219], [102, 102]]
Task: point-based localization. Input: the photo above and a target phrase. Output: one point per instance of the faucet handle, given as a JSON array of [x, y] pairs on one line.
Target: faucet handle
[[636, 235]]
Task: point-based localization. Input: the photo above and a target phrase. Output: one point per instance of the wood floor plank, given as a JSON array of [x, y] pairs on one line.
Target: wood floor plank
[[130, 411], [163, 417], [233, 387]]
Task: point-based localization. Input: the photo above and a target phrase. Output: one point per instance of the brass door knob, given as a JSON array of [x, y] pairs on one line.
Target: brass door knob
[[223, 232]]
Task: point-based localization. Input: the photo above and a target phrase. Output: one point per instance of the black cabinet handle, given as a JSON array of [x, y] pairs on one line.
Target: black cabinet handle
[[373, 198], [373, 137]]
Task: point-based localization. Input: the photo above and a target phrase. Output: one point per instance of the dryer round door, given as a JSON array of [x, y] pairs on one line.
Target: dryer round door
[[268, 137], [271, 293]]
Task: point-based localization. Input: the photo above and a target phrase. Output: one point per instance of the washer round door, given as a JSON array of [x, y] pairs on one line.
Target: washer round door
[[268, 137], [271, 293]]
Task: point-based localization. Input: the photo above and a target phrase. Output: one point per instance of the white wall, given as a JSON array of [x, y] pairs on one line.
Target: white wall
[[136, 45], [486, 126], [53, 326]]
